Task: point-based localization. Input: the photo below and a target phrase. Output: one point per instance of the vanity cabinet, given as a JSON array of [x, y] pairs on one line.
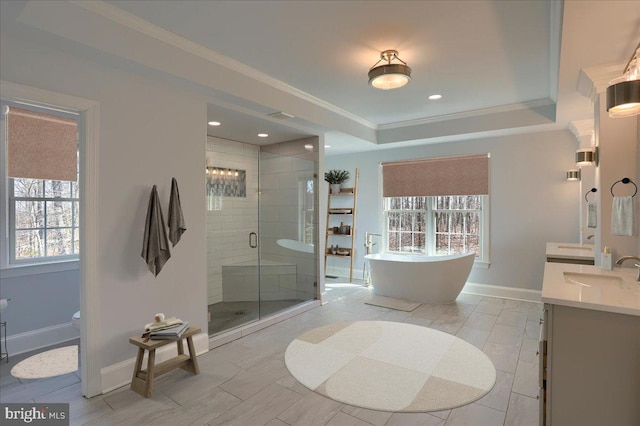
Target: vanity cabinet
[[589, 367]]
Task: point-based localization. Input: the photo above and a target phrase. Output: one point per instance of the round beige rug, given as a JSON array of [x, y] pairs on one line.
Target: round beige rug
[[390, 366], [48, 364]]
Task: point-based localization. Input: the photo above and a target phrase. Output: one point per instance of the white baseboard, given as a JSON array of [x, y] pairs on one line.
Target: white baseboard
[[344, 272], [503, 292], [41, 338], [118, 375]]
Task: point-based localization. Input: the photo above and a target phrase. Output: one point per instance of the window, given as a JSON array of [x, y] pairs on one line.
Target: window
[[43, 219], [437, 225], [43, 212]]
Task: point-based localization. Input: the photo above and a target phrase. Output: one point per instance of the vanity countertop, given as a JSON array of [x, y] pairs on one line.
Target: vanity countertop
[[591, 287], [570, 251]]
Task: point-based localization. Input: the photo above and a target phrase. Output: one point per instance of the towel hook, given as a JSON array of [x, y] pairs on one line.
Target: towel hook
[[586, 195], [625, 181]]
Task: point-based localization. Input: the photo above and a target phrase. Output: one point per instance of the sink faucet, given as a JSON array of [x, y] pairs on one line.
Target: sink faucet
[[625, 258]]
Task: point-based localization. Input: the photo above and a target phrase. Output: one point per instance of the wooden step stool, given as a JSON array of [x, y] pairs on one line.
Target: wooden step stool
[[142, 381]]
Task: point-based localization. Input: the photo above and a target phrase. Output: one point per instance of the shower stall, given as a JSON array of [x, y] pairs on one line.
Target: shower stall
[[262, 234]]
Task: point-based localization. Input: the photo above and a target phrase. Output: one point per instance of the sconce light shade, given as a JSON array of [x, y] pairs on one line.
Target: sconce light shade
[[573, 174], [587, 157], [623, 93], [623, 98], [389, 76]]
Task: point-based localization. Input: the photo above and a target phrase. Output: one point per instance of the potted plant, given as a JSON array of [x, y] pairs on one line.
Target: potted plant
[[335, 179]]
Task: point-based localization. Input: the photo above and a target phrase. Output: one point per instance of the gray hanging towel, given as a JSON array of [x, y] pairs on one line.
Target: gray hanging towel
[[155, 247], [176, 219]]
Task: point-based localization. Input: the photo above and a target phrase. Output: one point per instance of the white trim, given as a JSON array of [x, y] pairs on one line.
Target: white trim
[[119, 374], [538, 103], [40, 338], [14, 271], [89, 282], [503, 292], [142, 26]]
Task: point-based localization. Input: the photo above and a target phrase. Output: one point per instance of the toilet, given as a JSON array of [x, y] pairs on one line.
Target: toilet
[[75, 321]]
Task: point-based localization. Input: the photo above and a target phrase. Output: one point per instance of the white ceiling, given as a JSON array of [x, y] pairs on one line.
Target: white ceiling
[[501, 66]]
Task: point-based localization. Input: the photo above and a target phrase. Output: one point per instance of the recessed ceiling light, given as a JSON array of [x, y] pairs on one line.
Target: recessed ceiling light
[[435, 97], [263, 135], [327, 146], [308, 147], [214, 123]]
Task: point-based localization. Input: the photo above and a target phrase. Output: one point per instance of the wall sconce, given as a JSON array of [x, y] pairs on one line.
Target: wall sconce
[[587, 157], [623, 93], [573, 175]]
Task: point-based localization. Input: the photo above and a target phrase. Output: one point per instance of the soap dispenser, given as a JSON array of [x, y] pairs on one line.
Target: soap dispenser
[[605, 259]]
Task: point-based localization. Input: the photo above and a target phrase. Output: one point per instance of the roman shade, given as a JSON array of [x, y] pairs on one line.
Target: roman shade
[[41, 145], [460, 175]]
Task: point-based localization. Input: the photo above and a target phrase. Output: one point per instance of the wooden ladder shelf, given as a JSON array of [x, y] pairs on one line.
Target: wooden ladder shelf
[[344, 212]]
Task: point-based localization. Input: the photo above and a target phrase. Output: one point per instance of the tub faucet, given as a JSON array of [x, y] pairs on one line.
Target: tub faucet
[[625, 258], [368, 242]]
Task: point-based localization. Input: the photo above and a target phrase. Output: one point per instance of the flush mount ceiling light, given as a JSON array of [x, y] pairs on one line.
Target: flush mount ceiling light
[[587, 157], [623, 93], [263, 135], [389, 76], [213, 123]]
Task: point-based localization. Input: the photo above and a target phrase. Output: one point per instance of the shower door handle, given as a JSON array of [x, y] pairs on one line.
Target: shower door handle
[[253, 240]]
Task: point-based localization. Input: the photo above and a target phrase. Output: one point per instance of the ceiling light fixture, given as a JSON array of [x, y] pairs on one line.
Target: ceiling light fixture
[[435, 97], [214, 123], [389, 76], [623, 93], [263, 135]]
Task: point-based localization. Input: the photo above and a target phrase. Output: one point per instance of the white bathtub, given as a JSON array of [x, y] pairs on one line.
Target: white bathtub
[[427, 279]]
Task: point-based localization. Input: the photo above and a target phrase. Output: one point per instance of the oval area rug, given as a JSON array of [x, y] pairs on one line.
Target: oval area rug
[[48, 364], [390, 366]]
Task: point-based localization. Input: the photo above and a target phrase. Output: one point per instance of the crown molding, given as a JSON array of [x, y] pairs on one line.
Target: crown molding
[[135, 23], [468, 114], [594, 80], [582, 128]]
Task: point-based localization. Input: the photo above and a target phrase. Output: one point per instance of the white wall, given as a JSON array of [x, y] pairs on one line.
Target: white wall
[[531, 202], [149, 133]]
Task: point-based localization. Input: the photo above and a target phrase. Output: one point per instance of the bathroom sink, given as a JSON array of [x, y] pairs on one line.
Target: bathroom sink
[[576, 248], [592, 279]]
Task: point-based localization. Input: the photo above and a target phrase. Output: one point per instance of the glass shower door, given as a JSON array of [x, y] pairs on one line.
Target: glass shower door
[[288, 223], [233, 262]]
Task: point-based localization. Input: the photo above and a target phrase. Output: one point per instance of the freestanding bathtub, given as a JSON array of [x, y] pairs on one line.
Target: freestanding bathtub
[[427, 279]]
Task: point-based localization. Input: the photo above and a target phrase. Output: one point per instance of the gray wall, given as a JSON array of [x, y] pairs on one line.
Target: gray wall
[[531, 202], [40, 300]]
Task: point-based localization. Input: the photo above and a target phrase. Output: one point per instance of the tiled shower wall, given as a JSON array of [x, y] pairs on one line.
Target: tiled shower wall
[[228, 228]]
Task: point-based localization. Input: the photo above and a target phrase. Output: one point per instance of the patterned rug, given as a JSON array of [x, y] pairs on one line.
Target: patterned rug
[[390, 366], [55, 362]]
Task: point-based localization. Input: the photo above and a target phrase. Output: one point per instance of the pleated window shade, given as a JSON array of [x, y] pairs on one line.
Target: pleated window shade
[[41, 146], [461, 175]]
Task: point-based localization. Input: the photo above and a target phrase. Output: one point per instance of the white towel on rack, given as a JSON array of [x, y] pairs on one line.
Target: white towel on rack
[[622, 216], [592, 214]]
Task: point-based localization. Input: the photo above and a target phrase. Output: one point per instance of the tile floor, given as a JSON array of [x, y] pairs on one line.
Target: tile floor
[[247, 383]]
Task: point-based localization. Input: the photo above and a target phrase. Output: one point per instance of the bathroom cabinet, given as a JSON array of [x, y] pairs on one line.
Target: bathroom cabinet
[[589, 367]]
